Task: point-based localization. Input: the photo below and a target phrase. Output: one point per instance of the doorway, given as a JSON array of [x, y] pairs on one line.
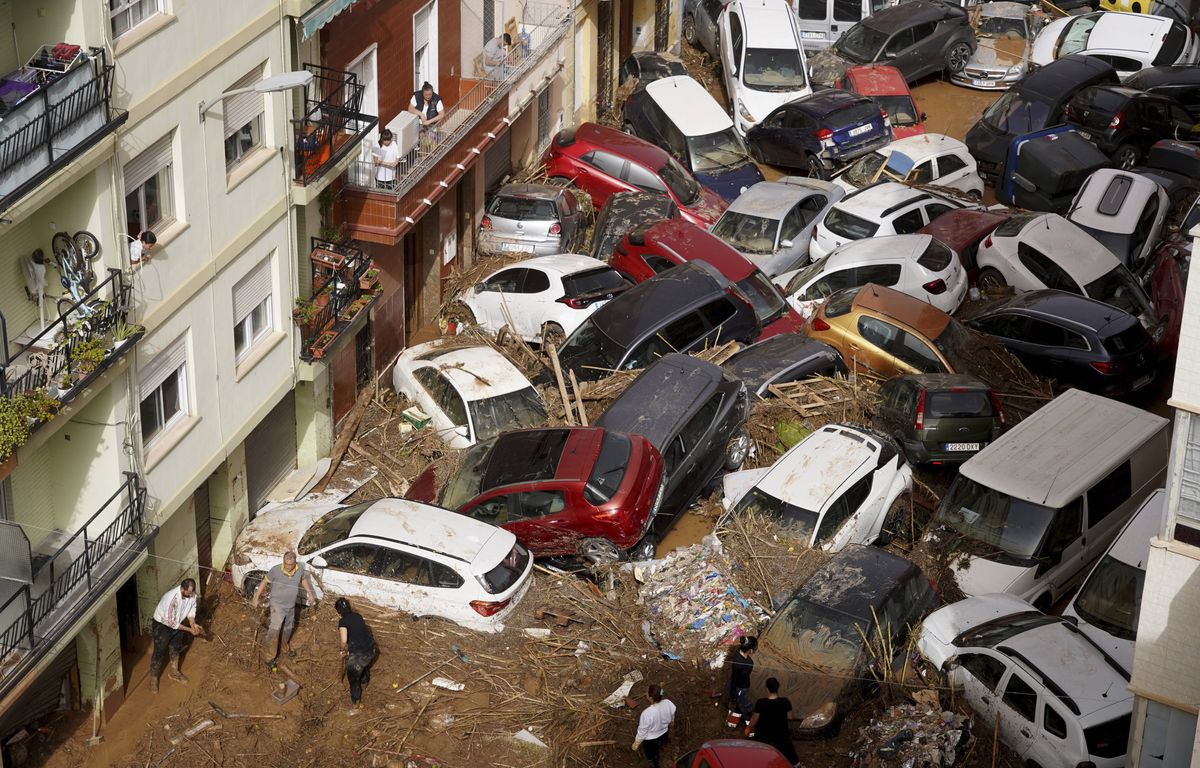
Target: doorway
[[133, 641], [203, 535], [425, 51]]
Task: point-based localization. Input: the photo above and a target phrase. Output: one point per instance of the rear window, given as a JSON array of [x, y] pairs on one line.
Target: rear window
[[848, 225], [936, 257], [1014, 225], [1098, 99], [1109, 740], [812, 10], [854, 112], [958, 405], [609, 469], [523, 209], [1172, 45], [598, 280], [1126, 341], [840, 302], [1017, 113], [507, 572]]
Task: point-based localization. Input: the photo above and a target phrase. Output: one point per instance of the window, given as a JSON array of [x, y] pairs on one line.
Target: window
[[127, 14], [494, 510], [1053, 723], [535, 282], [543, 117], [735, 36], [922, 174], [243, 119], [985, 669], [796, 120], [1065, 528], [901, 40], [352, 558], [610, 164], [1108, 494], [540, 503], [164, 392], [936, 209], [830, 283], [252, 309], [644, 179], [424, 46], [880, 274], [432, 383], [717, 312], [877, 332], [948, 164], [843, 508], [508, 281], [907, 223], [1021, 697], [658, 263], [148, 187], [812, 10], [1045, 334], [917, 353], [413, 569], [847, 10], [701, 423], [1045, 270]]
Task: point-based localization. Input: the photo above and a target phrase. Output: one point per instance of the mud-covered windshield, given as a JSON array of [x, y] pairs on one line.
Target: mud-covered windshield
[[812, 635]]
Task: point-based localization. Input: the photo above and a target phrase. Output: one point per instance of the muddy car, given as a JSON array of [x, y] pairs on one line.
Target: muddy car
[[626, 211], [1004, 32], [782, 359]]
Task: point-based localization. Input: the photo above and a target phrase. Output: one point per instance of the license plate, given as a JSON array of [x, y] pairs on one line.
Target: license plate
[[962, 446], [1143, 381], [513, 247], [813, 35], [860, 130], [1086, 135], [983, 83]]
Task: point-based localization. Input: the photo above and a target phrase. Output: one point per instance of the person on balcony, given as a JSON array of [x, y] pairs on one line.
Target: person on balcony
[[176, 606], [427, 106], [496, 54], [387, 157]]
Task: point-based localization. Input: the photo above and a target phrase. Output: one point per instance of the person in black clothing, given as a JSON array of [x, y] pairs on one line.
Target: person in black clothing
[[769, 723], [742, 665], [358, 646]]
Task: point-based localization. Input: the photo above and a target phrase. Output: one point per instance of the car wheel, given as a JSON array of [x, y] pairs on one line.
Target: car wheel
[[553, 333], [461, 315], [990, 280], [957, 57], [645, 549], [816, 170], [689, 30], [561, 181], [598, 551], [736, 451], [1126, 157], [628, 128], [251, 582], [1135, 8]]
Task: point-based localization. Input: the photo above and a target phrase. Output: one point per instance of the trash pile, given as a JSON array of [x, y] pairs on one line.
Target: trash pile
[[695, 609], [920, 735]]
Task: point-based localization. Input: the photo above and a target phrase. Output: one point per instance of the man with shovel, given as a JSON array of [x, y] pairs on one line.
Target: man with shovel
[[285, 581], [176, 606]]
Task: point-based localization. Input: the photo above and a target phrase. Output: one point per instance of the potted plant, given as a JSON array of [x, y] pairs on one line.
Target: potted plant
[[369, 279], [65, 384], [124, 332], [87, 356], [39, 405], [323, 343], [304, 313], [14, 426]]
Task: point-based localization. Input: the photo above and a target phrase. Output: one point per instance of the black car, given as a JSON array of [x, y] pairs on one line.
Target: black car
[[1049, 170], [624, 212], [700, 24], [918, 38], [782, 358], [693, 413], [1175, 166], [816, 645], [820, 132], [1124, 122], [681, 309], [1077, 341], [939, 418], [645, 67], [1035, 102], [1181, 83]]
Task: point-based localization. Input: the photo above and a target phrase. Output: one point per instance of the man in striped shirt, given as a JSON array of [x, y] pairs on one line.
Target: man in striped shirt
[[176, 606]]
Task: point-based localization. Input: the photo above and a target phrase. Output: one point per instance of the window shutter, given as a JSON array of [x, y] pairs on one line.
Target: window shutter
[[152, 160], [421, 28], [163, 365], [251, 290], [244, 107]]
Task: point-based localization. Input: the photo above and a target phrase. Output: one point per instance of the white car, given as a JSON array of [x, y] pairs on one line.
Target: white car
[[1128, 41], [468, 393], [889, 208], [762, 59], [835, 487], [917, 265], [930, 158], [395, 553], [543, 299], [1060, 701], [1044, 250], [1124, 211]]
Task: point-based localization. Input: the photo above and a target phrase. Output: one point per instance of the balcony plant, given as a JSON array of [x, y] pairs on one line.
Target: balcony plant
[[369, 281], [19, 414], [87, 356], [124, 332], [323, 342], [304, 313], [65, 384]]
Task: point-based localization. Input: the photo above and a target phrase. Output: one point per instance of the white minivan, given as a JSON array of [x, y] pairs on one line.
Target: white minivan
[[1042, 502], [822, 22], [1107, 605], [762, 60]]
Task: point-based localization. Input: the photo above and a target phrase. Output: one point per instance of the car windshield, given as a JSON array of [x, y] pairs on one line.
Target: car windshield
[[774, 69], [507, 571], [763, 295], [953, 342], [861, 44], [749, 234], [523, 209], [863, 171], [1006, 524], [812, 635], [900, 109], [802, 521], [588, 347], [1015, 113], [332, 528], [680, 182], [848, 225], [805, 275], [1119, 244], [1000, 26], [467, 481], [1120, 289], [1112, 597], [717, 151], [1075, 37], [513, 410], [609, 469]]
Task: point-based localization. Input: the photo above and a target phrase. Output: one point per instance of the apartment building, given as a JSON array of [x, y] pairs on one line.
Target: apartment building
[[606, 32], [166, 391]]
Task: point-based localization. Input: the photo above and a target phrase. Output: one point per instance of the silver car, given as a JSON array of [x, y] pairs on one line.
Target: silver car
[[531, 218], [1004, 32], [771, 222]]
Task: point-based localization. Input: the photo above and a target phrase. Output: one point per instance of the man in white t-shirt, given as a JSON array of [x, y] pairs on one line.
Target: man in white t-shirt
[[387, 157], [174, 608], [140, 247]]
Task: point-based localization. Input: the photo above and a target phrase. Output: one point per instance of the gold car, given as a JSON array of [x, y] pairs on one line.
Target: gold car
[[887, 333], [1125, 6]]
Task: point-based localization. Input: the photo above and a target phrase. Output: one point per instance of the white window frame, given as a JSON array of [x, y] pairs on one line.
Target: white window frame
[[432, 46], [161, 154], [256, 326], [1183, 474], [243, 121], [170, 363], [253, 309], [125, 8], [242, 142]]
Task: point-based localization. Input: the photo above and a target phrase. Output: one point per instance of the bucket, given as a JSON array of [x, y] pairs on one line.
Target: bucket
[[733, 719]]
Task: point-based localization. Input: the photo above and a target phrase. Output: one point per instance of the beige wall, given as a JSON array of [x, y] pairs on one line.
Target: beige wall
[[1168, 627]]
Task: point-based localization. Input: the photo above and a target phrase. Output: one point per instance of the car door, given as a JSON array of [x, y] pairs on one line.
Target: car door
[[535, 301], [542, 514], [1108, 509], [897, 51], [348, 569], [431, 391], [977, 674], [909, 222], [729, 25], [1061, 555], [768, 137], [500, 291], [703, 444], [844, 522], [933, 210], [706, 24], [952, 172], [1017, 711], [917, 354], [569, 216], [423, 587], [602, 175], [796, 141], [871, 351]]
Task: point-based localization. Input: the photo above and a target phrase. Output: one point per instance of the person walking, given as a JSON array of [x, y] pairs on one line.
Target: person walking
[[742, 666], [358, 648], [285, 581], [166, 631], [653, 724], [769, 723], [387, 157]]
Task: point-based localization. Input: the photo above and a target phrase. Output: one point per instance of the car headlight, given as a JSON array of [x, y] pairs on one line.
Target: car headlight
[[745, 113], [821, 718], [1016, 69]]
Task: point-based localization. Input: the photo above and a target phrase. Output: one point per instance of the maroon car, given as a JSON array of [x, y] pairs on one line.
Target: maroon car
[[581, 491], [962, 231]]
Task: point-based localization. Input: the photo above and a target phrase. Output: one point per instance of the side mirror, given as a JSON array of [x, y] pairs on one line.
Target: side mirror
[[480, 287], [786, 243], [924, 117], [318, 562]]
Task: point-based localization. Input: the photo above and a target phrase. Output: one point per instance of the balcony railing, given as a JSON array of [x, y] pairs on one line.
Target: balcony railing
[[344, 287], [55, 352], [47, 118], [69, 571], [333, 125], [543, 28]]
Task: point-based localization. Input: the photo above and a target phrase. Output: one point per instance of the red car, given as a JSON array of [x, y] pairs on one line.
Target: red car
[[733, 753], [602, 161], [646, 251], [962, 230], [581, 491], [886, 86], [1168, 281]]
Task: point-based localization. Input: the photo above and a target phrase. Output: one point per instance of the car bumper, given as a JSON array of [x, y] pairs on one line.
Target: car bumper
[[932, 453], [985, 81], [494, 245], [834, 156]]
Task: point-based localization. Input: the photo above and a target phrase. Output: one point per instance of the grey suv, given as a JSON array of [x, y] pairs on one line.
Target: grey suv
[[939, 418]]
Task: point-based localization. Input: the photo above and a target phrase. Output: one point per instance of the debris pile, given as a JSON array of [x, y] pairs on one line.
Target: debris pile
[[920, 735], [770, 560], [797, 408]]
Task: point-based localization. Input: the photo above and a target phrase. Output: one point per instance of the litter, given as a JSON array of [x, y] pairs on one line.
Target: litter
[[285, 691], [616, 699], [525, 736], [448, 684], [536, 632], [909, 735]]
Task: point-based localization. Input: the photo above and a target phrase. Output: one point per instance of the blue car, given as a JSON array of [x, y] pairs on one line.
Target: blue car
[[820, 133]]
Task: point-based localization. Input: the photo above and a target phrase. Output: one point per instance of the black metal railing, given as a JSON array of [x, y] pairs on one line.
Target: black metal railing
[[43, 361], [85, 563], [335, 290], [66, 114], [333, 125]]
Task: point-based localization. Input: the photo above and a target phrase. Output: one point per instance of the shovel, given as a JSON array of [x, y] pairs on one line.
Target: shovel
[[240, 715]]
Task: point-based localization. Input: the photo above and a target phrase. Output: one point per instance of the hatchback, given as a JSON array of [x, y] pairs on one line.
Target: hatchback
[[962, 231], [1179, 83], [1074, 340], [561, 491], [625, 211], [820, 132], [1127, 41], [700, 25], [1125, 212], [886, 87], [762, 60], [781, 359], [887, 208], [531, 218], [1125, 123], [1004, 32], [931, 158], [398, 554], [642, 254], [939, 418], [602, 161]]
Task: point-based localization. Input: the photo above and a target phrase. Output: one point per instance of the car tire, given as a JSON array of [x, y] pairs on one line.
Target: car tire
[[736, 450], [1126, 157], [645, 549], [689, 31], [553, 333], [957, 57], [990, 279], [1135, 8], [251, 582], [816, 169], [598, 551]]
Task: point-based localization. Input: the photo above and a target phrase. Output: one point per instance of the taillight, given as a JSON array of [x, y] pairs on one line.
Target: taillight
[[575, 302], [919, 420], [556, 228], [819, 324], [988, 243], [997, 407], [1116, 121], [1107, 367], [486, 223], [824, 134], [935, 286], [485, 608], [883, 113]]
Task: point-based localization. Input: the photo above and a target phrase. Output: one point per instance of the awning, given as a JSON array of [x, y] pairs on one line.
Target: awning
[[320, 15]]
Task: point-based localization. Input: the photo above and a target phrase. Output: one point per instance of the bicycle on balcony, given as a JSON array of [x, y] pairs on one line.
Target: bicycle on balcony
[[74, 256]]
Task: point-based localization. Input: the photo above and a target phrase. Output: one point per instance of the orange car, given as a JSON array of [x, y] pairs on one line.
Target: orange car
[[885, 332]]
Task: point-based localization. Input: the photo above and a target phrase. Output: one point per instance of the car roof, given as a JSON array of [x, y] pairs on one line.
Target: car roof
[[1073, 249], [812, 471], [743, 753], [620, 143], [626, 318], [1124, 91], [1165, 74], [887, 248], [1132, 546], [1135, 32], [925, 318], [873, 200], [906, 14], [1107, 194], [1072, 72], [963, 227], [936, 381], [430, 528], [773, 199], [824, 101], [1004, 9], [1085, 434], [757, 362], [524, 456], [856, 580], [692, 242], [766, 23], [559, 263], [538, 191], [691, 108], [662, 397], [923, 146], [1079, 310], [877, 80], [476, 372]]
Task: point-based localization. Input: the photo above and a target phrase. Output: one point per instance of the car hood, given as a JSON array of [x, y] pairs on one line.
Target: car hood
[[979, 576], [903, 132], [276, 530], [762, 103], [987, 144], [1047, 40], [808, 688], [738, 484], [705, 211], [999, 53], [729, 183], [943, 625], [825, 67]]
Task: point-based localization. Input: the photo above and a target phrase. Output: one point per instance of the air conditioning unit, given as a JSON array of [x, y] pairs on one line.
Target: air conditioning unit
[[406, 126]]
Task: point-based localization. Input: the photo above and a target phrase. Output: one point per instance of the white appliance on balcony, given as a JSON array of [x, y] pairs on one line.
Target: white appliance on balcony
[[407, 127]]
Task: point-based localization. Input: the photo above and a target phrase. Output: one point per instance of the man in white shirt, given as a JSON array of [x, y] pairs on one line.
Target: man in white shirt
[[653, 724], [495, 55], [387, 157], [176, 606], [139, 248]]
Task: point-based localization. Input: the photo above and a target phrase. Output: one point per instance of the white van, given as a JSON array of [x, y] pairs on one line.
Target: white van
[[762, 59], [1039, 504], [822, 22], [1107, 605]]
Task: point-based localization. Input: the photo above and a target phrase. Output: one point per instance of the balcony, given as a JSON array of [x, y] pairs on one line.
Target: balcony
[[331, 130], [345, 287], [52, 110], [46, 590]]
